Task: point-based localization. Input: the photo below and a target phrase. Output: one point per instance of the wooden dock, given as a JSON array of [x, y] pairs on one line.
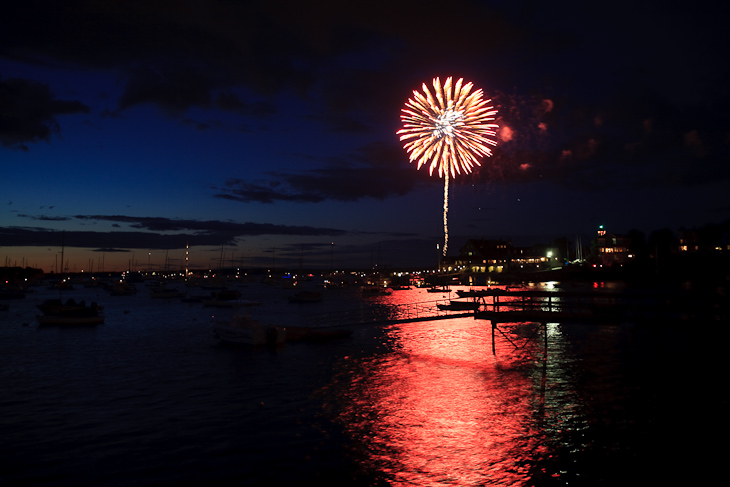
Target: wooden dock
[[542, 307], [560, 306]]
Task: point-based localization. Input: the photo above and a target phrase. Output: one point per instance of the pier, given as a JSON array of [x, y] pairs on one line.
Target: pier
[[385, 314], [542, 307], [595, 308]]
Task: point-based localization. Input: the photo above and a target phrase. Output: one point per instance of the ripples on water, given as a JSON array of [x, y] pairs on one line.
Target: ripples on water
[[151, 398]]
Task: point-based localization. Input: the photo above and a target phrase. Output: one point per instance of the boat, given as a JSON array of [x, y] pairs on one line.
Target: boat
[[224, 303], [70, 320], [308, 334], [306, 297], [63, 285], [439, 289], [459, 306], [227, 294], [244, 330], [55, 312], [58, 312], [478, 293], [121, 288], [192, 298], [10, 292], [165, 293], [228, 299], [376, 291]]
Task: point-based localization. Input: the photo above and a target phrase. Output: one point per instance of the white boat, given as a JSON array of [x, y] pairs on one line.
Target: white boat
[[247, 331]]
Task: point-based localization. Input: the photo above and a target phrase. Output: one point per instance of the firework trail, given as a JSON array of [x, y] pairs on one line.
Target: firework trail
[[451, 129]]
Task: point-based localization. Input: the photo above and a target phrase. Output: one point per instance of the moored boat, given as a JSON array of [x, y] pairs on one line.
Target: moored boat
[[223, 303], [307, 334], [244, 330], [9, 292], [459, 306], [56, 312], [476, 293], [165, 293], [306, 297], [228, 298], [70, 320], [376, 291]]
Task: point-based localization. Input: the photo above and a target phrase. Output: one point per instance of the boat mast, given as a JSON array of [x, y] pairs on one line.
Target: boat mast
[[63, 248]]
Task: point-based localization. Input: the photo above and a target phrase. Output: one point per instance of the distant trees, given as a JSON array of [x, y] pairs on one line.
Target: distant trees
[[19, 274]]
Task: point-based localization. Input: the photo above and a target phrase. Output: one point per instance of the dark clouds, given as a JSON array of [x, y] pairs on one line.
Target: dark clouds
[[29, 111], [171, 55], [373, 171], [356, 65], [637, 140], [353, 58], [152, 232]]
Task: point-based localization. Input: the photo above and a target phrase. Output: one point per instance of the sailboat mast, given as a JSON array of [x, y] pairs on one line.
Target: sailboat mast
[[62, 283], [63, 248]]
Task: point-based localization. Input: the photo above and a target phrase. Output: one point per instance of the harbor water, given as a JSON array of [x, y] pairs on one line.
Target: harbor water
[[152, 397]]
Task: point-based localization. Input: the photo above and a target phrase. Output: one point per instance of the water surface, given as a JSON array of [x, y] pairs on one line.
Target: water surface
[[152, 398]]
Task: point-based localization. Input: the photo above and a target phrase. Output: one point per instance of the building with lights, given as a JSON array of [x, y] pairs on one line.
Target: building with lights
[[709, 239], [612, 249], [501, 256]]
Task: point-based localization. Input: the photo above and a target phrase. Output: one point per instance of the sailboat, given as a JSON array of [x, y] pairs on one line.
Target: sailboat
[[56, 312]]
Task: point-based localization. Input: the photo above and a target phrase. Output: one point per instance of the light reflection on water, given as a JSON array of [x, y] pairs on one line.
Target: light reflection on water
[[437, 408], [616, 404], [429, 414]]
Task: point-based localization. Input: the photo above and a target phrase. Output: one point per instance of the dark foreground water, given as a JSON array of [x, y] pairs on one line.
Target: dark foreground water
[[152, 398]]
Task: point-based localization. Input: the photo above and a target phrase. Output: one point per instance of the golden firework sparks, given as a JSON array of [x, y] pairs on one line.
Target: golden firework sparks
[[450, 128]]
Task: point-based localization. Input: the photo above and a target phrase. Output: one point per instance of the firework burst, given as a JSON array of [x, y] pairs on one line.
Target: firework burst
[[450, 128]]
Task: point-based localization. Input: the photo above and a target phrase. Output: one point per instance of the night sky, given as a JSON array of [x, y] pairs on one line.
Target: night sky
[[266, 131]]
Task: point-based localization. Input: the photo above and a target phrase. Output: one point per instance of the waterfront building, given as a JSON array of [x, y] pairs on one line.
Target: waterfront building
[[613, 249], [500, 256], [708, 239]]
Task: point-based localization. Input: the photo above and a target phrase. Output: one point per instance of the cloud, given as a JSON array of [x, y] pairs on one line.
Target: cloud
[[642, 141], [212, 227], [374, 171], [237, 55], [29, 111], [155, 233], [44, 217], [354, 67], [233, 102]]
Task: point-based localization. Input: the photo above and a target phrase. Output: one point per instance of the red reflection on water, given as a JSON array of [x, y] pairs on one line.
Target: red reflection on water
[[440, 408]]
